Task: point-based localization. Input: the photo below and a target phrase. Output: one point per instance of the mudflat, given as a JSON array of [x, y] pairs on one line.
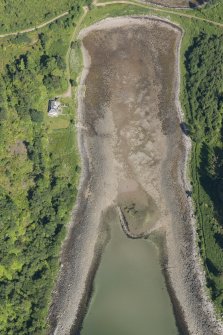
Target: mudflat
[[133, 156], [122, 103]]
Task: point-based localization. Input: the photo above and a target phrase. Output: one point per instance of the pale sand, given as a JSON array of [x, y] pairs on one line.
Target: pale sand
[[109, 169]]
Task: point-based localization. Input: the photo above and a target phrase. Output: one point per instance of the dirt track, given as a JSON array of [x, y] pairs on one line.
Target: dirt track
[[28, 30], [133, 151]]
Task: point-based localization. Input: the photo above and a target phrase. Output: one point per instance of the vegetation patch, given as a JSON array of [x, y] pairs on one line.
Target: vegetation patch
[[18, 15], [39, 169], [204, 110]]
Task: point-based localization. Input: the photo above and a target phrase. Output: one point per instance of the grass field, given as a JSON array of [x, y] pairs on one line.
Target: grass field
[[17, 15]]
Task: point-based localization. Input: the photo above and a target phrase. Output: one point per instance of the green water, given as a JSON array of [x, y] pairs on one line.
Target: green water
[[130, 297]]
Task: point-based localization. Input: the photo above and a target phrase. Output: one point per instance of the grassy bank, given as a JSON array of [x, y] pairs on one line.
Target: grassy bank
[[17, 15], [204, 109]]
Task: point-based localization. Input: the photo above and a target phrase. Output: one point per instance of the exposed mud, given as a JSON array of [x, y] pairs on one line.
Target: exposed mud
[[133, 156]]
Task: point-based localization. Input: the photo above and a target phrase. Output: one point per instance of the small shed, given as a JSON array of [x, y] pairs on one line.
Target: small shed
[[54, 107]]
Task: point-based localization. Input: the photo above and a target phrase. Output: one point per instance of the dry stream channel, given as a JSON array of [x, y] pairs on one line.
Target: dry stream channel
[[133, 156]]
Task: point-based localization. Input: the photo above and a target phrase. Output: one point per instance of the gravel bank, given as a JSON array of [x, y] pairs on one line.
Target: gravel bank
[[131, 144]]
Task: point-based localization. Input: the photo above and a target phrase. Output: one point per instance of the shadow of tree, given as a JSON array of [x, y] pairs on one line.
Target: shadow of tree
[[211, 267], [219, 239], [211, 177], [185, 128]]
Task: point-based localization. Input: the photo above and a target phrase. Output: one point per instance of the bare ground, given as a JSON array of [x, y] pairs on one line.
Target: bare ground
[[133, 154]]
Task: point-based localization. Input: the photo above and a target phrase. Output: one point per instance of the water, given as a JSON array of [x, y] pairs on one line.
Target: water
[[130, 297]]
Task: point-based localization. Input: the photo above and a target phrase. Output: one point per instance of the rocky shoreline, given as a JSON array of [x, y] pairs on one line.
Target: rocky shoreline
[[182, 250], [182, 266]]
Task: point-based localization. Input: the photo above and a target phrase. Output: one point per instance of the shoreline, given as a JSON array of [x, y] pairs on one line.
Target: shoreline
[[86, 298], [85, 179], [160, 243], [185, 183]]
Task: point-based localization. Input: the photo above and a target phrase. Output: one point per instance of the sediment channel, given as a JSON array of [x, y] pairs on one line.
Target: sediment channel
[[133, 155]]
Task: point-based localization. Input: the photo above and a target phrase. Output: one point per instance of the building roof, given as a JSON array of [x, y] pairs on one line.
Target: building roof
[[54, 107]]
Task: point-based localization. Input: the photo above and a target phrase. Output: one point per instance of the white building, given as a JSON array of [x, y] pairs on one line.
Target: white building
[[54, 108]]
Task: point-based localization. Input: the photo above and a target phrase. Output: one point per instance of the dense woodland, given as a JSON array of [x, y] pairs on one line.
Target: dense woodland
[[38, 172], [204, 107]]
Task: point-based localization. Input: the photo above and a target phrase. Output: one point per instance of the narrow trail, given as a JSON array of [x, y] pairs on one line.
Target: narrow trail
[[151, 6], [68, 92], [155, 8], [28, 30]]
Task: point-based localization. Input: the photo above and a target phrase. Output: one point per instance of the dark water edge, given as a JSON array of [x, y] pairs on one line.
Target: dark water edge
[[105, 237], [177, 308]]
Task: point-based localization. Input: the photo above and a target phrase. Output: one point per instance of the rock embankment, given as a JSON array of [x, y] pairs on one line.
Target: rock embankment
[[125, 226]]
